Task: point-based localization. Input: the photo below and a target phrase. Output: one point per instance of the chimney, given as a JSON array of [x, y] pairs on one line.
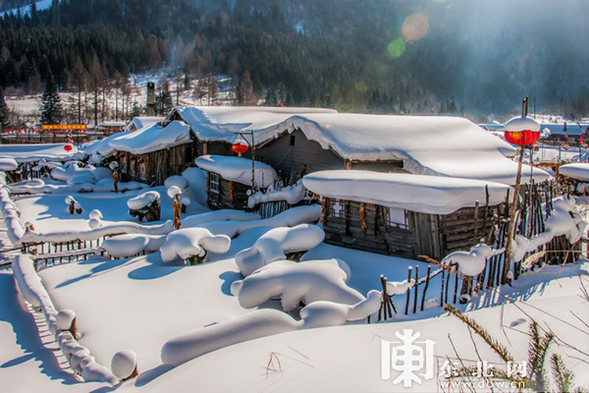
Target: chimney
[[150, 99]]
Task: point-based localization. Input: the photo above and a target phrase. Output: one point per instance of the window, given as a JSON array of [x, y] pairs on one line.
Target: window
[[304, 169], [396, 217], [337, 208], [292, 140], [214, 185]]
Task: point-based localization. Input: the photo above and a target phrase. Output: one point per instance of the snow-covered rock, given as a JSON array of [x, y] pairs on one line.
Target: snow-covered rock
[[275, 244], [296, 282]]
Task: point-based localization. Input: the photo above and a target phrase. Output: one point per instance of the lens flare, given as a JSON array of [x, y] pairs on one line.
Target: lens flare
[[415, 27], [396, 48]]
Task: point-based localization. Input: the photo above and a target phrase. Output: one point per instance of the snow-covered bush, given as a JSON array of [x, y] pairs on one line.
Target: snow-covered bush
[[173, 191], [146, 206], [275, 244], [189, 243], [294, 282], [185, 202]]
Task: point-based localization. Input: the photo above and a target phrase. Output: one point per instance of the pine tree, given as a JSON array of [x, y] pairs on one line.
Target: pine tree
[[51, 111], [4, 112], [245, 90]]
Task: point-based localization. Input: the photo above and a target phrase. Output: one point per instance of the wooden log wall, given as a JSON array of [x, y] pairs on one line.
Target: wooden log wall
[[378, 236], [154, 168], [231, 195]]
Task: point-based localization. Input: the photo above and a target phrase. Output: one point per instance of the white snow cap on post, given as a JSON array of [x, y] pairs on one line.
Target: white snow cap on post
[[473, 262], [173, 191], [113, 165], [124, 364], [238, 169], [96, 214]]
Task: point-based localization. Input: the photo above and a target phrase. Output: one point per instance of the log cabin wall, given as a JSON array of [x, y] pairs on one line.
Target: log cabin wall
[[227, 195], [370, 227], [155, 167], [344, 226]]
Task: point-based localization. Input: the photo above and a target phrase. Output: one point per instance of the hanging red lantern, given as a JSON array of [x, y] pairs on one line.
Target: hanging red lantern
[[581, 140], [522, 131], [68, 147], [239, 148], [84, 140], [536, 148]]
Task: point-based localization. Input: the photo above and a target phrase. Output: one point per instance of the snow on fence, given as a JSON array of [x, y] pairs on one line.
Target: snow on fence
[[546, 224], [61, 324], [277, 199]]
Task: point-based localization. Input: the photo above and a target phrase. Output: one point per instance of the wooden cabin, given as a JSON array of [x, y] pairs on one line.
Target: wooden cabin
[[405, 215], [229, 180], [155, 152]]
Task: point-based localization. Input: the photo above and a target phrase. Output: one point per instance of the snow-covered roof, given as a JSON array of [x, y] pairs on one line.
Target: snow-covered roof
[[112, 124], [102, 146], [153, 138], [447, 146], [419, 193], [220, 123], [36, 152], [238, 169], [140, 122], [578, 171], [571, 128]]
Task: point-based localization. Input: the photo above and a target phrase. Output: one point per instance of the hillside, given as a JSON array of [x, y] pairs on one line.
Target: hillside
[[356, 56]]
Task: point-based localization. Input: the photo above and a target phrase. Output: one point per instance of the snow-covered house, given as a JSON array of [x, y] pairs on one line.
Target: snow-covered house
[[230, 180], [216, 128], [404, 214], [155, 152], [140, 122]]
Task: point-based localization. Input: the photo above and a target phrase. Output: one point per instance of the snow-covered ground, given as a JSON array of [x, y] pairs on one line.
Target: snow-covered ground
[[150, 303]]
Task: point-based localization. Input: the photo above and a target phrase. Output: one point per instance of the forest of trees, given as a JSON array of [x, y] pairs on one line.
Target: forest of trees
[[330, 53]]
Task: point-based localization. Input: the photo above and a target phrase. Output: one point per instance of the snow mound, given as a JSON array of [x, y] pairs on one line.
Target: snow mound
[[143, 200], [178, 181], [96, 214], [65, 172], [189, 242], [262, 323], [197, 182], [419, 193], [130, 245], [275, 244], [296, 282], [238, 169], [8, 164]]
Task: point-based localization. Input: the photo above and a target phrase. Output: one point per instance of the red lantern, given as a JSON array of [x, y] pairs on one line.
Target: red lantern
[[536, 148], [522, 131], [565, 147], [67, 147], [239, 148], [84, 140], [581, 140]]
